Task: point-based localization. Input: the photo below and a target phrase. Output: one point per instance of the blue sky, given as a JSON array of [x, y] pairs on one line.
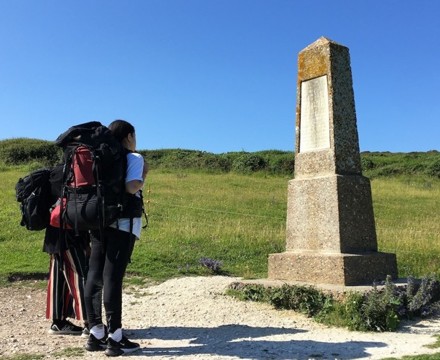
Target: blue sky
[[215, 75]]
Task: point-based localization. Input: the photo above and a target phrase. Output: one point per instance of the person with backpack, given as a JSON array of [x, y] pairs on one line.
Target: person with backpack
[[37, 194], [111, 250], [68, 253]]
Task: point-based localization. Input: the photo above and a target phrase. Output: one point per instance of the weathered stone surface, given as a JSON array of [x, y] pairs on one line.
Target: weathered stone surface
[[331, 213], [337, 269], [330, 230], [327, 58]]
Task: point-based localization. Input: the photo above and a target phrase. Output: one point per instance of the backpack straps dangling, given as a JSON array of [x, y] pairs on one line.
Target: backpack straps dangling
[[101, 200], [75, 195], [63, 193], [143, 210]]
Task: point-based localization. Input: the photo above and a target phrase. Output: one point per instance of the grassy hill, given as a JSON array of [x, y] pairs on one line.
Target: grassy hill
[[233, 212]]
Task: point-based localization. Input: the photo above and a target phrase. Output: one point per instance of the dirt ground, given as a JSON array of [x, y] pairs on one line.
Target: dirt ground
[[191, 318]]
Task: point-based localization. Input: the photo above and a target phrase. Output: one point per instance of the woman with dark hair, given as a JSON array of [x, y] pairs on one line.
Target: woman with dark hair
[[111, 250]]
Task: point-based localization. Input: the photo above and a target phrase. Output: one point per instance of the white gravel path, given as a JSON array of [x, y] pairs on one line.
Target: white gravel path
[[191, 318]]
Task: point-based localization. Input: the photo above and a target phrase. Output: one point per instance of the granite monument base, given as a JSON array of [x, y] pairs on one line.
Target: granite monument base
[[330, 214], [336, 269]]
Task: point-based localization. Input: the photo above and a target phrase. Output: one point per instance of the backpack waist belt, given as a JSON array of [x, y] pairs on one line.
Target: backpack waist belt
[[82, 189]]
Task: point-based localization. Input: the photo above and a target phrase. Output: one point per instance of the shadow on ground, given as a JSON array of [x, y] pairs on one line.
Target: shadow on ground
[[245, 342]]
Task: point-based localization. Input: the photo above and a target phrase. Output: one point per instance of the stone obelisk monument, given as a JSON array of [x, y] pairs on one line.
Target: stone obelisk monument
[[330, 234]]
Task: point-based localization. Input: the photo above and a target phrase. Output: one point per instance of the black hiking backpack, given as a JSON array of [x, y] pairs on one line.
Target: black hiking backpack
[[93, 181], [33, 192]]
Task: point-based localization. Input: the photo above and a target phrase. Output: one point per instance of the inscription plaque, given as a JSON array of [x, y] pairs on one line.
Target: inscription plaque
[[314, 126]]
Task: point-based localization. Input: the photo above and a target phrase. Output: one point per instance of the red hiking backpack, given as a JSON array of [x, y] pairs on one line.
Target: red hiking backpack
[[93, 180]]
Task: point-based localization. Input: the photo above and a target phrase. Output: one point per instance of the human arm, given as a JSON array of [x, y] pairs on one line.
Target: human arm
[[132, 187], [137, 169]]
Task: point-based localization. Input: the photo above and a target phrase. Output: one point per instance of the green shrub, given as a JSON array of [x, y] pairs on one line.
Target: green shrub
[[392, 164], [186, 159], [376, 310], [248, 163], [249, 292], [422, 299], [21, 151], [366, 163], [382, 310], [283, 164], [434, 169], [214, 163], [305, 299], [350, 310]]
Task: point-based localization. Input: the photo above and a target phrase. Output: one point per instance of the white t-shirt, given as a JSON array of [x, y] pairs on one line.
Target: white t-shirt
[[135, 167]]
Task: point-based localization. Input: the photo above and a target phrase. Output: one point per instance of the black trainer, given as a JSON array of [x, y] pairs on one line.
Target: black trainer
[[116, 348], [64, 327], [94, 344]]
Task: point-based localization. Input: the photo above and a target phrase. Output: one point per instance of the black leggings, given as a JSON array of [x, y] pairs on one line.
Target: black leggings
[[108, 262]]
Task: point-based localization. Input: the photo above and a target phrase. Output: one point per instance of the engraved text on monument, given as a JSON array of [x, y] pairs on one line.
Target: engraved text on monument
[[314, 126]]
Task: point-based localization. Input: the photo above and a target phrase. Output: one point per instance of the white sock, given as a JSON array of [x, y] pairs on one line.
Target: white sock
[[117, 335], [98, 331]]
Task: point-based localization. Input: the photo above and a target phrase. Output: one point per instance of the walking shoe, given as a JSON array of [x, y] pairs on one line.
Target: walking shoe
[[94, 344], [116, 348], [65, 327]]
